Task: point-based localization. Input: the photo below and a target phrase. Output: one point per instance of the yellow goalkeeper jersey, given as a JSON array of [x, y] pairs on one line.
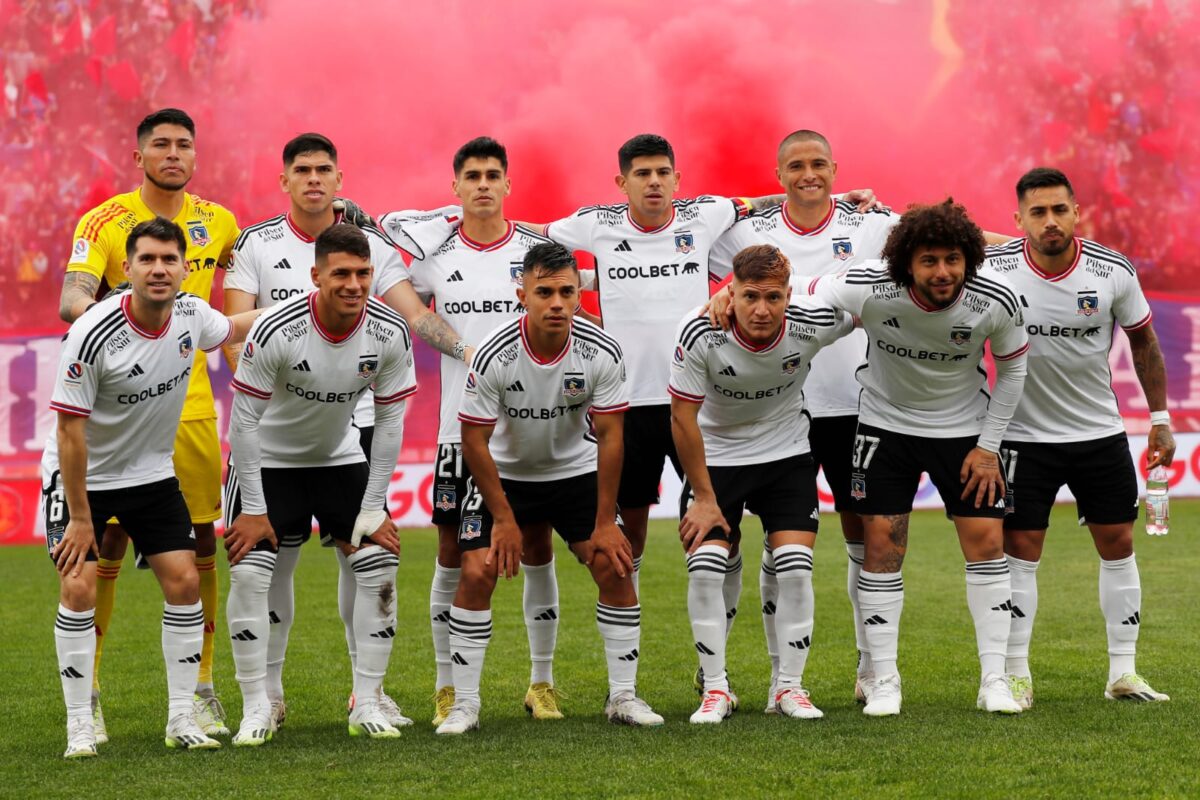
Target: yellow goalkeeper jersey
[[210, 230]]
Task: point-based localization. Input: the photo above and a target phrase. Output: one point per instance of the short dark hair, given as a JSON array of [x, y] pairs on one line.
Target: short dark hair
[[482, 147], [308, 143], [802, 135], [342, 238], [644, 144], [944, 224], [762, 262], [160, 228], [548, 258], [1042, 178], [164, 116]]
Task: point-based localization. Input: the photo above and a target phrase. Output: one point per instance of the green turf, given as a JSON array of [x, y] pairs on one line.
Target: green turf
[[1073, 742]]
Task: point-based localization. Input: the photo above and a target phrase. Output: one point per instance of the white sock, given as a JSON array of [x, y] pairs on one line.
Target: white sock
[[374, 616], [182, 638], [621, 630], [855, 552], [706, 610], [768, 590], [1024, 610], [281, 602], [989, 598], [794, 619], [441, 597], [246, 611], [1121, 604], [731, 589], [470, 632], [540, 603], [75, 642], [347, 587], [637, 571], [881, 600]]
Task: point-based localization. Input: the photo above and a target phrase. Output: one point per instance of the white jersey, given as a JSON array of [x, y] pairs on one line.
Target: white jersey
[[923, 374], [314, 379], [130, 383], [541, 408], [272, 261], [474, 288], [753, 395], [844, 238], [648, 279], [1070, 318]]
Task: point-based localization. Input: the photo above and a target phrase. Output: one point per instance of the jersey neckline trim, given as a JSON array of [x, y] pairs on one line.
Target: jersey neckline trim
[[757, 348], [325, 334], [1055, 277], [301, 235], [536, 359], [138, 329], [659, 229], [796, 229], [489, 246]]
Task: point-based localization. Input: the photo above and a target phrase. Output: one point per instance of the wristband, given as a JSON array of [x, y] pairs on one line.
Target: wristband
[[460, 350], [1160, 418]]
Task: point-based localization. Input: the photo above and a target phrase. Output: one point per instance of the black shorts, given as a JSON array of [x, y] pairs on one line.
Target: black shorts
[[295, 495], [831, 440], [450, 475], [783, 494], [1099, 473], [647, 442], [154, 515], [886, 470], [569, 505]]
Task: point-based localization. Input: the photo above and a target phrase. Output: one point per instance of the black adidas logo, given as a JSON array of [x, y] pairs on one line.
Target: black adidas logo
[[729, 371], [137, 370], [302, 366], [546, 616], [273, 617], [892, 322], [1136, 619], [1005, 606], [458, 659], [875, 620], [623, 247], [244, 636], [71, 672], [768, 608], [516, 387], [703, 649], [192, 659], [800, 644], [454, 277], [387, 633], [442, 617], [630, 656], [1017, 612], [283, 264]]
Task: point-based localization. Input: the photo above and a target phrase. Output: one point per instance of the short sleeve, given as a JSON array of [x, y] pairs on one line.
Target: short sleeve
[[1009, 339], [838, 291], [257, 366], [480, 398], [879, 226], [728, 245], [1130, 307], [611, 395], [397, 379], [78, 377], [689, 363], [573, 232], [390, 269], [92, 244], [720, 213], [231, 234], [215, 327], [241, 272]]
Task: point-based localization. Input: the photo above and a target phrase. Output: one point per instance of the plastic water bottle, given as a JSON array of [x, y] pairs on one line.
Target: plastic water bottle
[[1158, 509]]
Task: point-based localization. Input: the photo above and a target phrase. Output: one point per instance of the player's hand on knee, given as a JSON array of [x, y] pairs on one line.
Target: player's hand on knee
[[982, 477], [70, 554], [368, 522], [386, 536], [505, 550], [245, 533], [608, 539], [701, 517], [720, 309], [1161, 446]]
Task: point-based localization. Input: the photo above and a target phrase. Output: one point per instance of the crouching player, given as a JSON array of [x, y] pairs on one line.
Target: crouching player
[[122, 379], [296, 456], [533, 385]]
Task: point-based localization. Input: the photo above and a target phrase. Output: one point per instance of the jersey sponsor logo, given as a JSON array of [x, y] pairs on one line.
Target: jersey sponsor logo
[[587, 352], [284, 294], [1004, 263], [842, 249], [759, 394], [273, 234], [960, 335], [472, 528], [447, 498], [367, 367], [509, 354], [185, 345], [302, 366], [1087, 303], [574, 384], [483, 307], [1096, 268], [975, 303], [323, 397], [516, 271], [157, 390], [684, 242], [654, 271], [1061, 331], [381, 332], [81, 249], [717, 338], [729, 371], [791, 363], [119, 341], [136, 371], [886, 291], [198, 233], [917, 355], [295, 330], [515, 387], [74, 372], [541, 413]]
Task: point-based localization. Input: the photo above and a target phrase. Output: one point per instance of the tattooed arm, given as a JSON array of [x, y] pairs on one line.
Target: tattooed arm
[[436, 332], [78, 292], [1152, 374]]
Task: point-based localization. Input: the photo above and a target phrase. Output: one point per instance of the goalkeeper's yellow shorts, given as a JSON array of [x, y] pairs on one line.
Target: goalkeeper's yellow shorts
[[198, 468]]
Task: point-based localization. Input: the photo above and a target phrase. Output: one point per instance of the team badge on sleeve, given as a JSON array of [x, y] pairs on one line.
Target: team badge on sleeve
[[574, 385], [960, 335], [792, 363], [842, 249], [1087, 303], [684, 242], [367, 367], [198, 233], [185, 345]]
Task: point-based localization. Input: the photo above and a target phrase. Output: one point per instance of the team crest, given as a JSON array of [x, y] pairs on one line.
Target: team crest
[[1087, 303], [842, 249], [516, 271], [472, 528], [792, 363], [367, 367], [198, 233], [574, 385], [185, 345], [858, 487], [684, 242], [960, 335], [447, 498]]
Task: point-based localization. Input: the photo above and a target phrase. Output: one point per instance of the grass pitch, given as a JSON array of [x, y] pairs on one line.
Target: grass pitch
[[1072, 743]]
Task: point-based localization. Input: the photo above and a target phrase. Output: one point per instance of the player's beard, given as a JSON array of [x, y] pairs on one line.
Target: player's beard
[[167, 187], [1055, 248]]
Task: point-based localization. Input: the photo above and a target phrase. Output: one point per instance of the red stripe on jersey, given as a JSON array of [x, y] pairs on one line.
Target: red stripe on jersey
[[325, 334], [812, 287], [1018, 352], [223, 341], [691, 398], [919, 303], [1052, 277], [246, 388], [741, 339], [475, 420], [301, 235], [487, 247], [533, 355], [659, 229], [72, 410], [796, 229], [102, 218], [139, 330], [1139, 325], [610, 409], [397, 397]]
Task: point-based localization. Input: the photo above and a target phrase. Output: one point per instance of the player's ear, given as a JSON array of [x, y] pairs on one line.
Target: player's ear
[[521, 295], [125, 267], [620, 181], [315, 276], [833, 166], [338, 188], [283, 182], [508, 186], [1017, 219]]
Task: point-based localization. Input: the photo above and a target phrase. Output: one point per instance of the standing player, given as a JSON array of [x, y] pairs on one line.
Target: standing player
[[166, 155], [527, 401], [303, 368], [270, 265], [122, 373], [819, 236], [471, 278], [740, 426], [925, 408], [1067, 428]]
